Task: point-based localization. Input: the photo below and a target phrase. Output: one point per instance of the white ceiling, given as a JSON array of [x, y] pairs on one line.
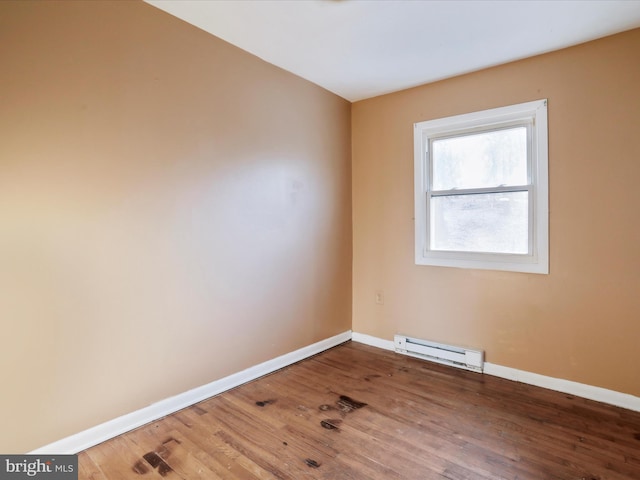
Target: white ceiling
[[364, 48]]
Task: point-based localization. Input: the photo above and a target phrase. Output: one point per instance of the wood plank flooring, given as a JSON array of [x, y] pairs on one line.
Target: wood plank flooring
[[357, 412]]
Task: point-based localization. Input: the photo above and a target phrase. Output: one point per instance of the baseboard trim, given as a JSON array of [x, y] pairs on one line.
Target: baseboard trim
[[112, 428], [372, 341], [598, 394], [591, 392]]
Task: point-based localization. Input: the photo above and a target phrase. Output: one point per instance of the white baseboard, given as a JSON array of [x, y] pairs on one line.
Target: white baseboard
[[598, 394], [373, 341], [105, 431]]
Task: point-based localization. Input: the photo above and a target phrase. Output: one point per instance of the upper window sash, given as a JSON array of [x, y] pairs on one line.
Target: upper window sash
[[429, 150]]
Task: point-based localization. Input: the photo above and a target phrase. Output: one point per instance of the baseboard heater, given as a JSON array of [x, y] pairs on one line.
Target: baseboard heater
[[440, 353]]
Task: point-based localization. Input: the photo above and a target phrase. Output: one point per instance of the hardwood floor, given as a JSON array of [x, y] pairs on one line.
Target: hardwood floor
[[357, 412]]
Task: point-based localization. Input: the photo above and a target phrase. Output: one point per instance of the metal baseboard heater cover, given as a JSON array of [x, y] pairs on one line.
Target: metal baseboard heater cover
[[437, 352]]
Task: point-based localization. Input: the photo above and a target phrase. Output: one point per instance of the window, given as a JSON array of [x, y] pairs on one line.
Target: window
[[481, 190]]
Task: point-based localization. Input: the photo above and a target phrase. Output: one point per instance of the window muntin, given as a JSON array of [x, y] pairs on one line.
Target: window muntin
[[481, 190]]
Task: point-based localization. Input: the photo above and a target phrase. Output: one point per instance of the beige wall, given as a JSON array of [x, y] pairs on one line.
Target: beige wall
[[582, 321], [172, 210]]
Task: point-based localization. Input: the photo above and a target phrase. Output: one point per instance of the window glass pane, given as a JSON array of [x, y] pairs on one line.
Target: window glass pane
[[480, 160], [490, 223]]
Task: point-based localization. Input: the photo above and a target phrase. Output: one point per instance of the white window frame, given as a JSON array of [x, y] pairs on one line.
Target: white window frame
[[534, 116]]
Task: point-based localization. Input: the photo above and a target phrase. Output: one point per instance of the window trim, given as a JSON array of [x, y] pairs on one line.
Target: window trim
[[535, 114]]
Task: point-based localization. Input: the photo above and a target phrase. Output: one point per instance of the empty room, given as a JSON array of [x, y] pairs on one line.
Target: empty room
[[330, 239]]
